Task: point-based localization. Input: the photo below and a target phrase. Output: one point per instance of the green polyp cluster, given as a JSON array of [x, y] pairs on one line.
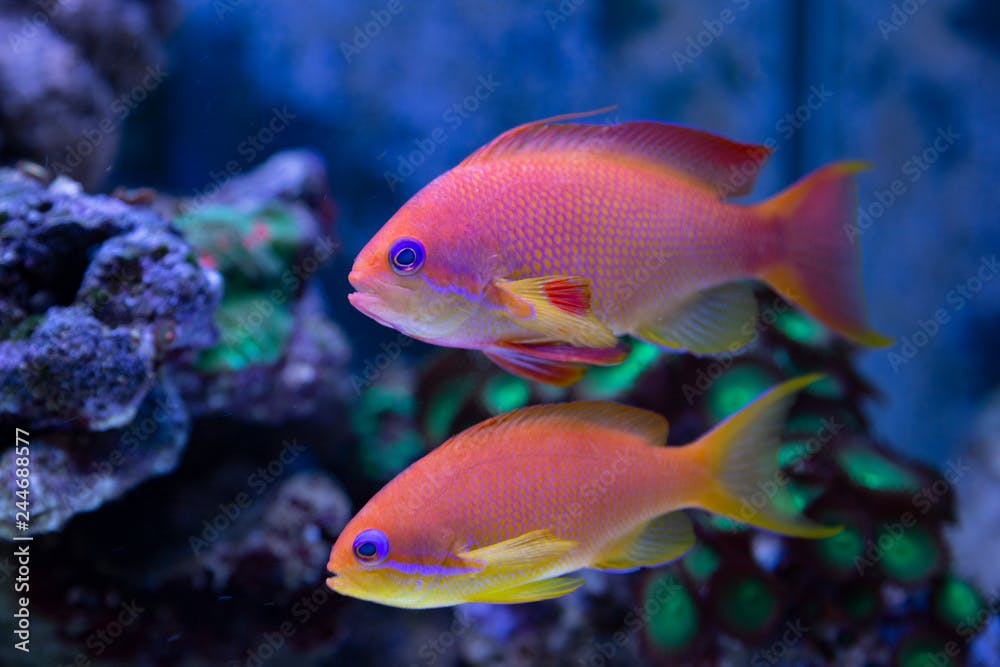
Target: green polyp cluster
[[841, 552], [252, 332], [798, 496], [701, 562], [909, 554], [504, 392], [793, 451], [748, 605], [254, 253], [875, 471], [736, 388], [828, 387], [386, 451], [925, 650], [610, 381], [247, 248], [798, 327], [443, 406], [959, 605], [673, 618]]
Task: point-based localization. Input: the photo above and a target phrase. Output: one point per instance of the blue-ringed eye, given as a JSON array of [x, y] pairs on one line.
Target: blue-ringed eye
[[371, 546], [406, 256]]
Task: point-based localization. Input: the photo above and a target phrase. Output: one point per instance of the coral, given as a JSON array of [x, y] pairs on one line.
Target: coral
[[285, 541], [65, 483], [268, 233], [97, 298]]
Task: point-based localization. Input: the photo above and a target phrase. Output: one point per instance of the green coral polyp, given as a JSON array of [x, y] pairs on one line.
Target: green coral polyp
[[673, 614], [870, 469]]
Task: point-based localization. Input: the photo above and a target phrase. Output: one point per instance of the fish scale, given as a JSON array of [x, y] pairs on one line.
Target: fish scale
[[502, 511], [553, 240]]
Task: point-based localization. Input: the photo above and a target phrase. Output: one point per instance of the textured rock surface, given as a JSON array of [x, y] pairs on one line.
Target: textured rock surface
[[96, 296], [66, 481], [70, 73], [95, 293]]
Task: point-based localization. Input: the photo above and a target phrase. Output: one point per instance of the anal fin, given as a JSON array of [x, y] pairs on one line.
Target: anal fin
[[543, 589], [719, 319], [658, 541]]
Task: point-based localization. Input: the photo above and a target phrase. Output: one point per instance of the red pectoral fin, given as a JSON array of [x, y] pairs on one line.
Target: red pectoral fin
[[536, 368], [569, 294], [557, 308]]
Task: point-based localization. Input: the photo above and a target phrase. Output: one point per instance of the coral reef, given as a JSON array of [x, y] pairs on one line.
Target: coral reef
[[96, 297], [268, 233], [71, 73], [119, 327]]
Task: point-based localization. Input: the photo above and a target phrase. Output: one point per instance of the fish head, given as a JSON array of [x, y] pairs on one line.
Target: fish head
[[426, 271], [396, 563]]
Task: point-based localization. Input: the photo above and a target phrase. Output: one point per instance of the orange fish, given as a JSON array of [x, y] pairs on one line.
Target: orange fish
[[545, 245], [504, 510]]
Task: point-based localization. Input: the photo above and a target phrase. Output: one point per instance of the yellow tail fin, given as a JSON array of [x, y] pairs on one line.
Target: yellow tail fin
[[744, 481], [818, 266]]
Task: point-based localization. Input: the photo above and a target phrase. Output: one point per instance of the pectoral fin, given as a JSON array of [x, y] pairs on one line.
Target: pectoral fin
[[531, 592], [720, 319], [531, 549], [556, 309], [656, 542]]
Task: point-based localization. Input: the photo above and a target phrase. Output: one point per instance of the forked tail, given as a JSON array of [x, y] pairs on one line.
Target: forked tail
[[740, 459], [818, 263]]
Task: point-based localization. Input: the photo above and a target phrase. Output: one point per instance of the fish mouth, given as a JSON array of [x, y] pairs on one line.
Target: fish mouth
[[373, 306]]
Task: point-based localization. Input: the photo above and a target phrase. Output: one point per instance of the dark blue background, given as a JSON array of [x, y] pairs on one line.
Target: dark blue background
[[374, 87]]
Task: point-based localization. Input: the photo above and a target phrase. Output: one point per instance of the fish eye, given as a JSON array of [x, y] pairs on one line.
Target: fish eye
[[371, 546], [406, 256]]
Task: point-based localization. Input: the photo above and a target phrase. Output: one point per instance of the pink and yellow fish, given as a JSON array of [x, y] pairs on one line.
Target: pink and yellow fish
[[505, 510], [545, 245]]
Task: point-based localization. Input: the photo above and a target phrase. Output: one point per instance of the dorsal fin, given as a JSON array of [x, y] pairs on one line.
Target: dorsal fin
[[647, 425], [726, 167]]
